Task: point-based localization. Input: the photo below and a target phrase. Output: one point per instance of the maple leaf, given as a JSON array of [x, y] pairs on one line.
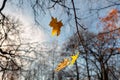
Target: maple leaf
[[56, 25], [62, 64], [74, 58]]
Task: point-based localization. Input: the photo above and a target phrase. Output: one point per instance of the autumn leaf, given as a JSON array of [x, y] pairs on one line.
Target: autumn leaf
[[109, 25], [62, 64], [113, 15], [74, 58], [56, 25], [66, 62]]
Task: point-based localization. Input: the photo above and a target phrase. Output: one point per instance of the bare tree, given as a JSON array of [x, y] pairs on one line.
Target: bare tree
[[93, 49], [100, 56]]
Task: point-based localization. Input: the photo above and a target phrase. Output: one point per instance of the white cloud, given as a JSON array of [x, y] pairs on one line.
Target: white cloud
[[29, 32]]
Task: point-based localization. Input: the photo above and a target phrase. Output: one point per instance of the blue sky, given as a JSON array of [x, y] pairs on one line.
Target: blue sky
[[42, 32]]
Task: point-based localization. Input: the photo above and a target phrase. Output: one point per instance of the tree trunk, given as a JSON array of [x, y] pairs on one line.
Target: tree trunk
[[87, 67], [59, 76], [53, 75], [104, 72], [77, 70]]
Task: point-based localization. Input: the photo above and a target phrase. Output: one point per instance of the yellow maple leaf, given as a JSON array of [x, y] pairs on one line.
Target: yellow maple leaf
[[56, 25], [62, 64], [74, 58]]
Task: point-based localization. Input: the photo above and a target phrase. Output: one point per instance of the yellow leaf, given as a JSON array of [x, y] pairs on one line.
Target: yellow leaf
[[56, 25], [62, 64], [74, 58]]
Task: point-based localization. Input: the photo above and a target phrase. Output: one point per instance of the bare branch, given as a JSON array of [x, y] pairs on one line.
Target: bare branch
[[3, 5]]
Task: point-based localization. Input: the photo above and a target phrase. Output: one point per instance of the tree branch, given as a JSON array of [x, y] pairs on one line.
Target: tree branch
[[3, 5]]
